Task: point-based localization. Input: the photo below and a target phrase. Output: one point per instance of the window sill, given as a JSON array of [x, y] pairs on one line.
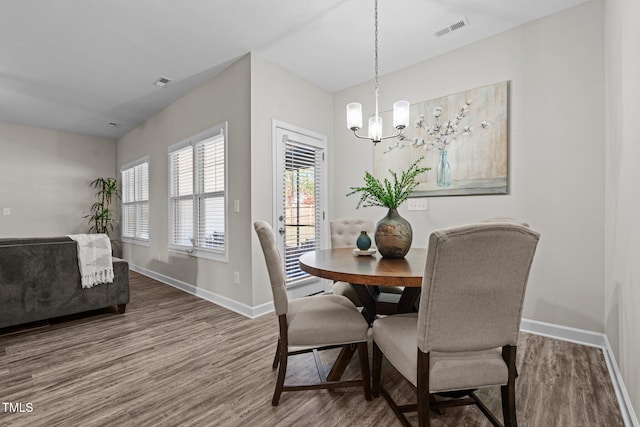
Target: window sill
[[199, 253], [137, 242]]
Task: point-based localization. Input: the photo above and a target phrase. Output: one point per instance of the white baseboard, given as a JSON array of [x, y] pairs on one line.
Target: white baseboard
[[228, 303], [565, 333], [592, 339]]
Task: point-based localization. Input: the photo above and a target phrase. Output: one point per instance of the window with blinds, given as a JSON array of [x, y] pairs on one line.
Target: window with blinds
[[197, 193], [135, 201], [302, 177]]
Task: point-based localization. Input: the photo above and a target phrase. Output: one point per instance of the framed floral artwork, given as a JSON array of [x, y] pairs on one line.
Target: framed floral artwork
[[463, 138]]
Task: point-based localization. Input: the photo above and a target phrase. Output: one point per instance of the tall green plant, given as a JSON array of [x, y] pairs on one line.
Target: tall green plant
[[387, 194], [101, 218]]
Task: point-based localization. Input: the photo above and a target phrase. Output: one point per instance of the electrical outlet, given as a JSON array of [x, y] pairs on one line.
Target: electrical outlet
[[236, 277], [6, 211], [417, 204]]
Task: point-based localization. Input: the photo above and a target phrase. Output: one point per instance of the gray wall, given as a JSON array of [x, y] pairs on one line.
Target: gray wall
[[277, 94], [556, 150], [225, 97], [44, 179], [622, 268], [249, 95]]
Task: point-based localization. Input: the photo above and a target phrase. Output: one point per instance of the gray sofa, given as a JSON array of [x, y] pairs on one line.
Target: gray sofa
[[40, 279]]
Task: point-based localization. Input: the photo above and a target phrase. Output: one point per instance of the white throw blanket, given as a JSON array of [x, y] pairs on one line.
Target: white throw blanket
[[94, 258]]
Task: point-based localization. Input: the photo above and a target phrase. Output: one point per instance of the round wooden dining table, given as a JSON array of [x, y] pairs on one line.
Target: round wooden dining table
[[367, 273]]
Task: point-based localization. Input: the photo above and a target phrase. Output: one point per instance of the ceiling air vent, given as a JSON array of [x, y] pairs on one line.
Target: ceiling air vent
[[460, 24], [162, 82]]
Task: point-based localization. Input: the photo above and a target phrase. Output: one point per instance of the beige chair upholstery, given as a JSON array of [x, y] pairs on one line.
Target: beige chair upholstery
[[344, 233], [465, 334], [505, 219], [311, 324]]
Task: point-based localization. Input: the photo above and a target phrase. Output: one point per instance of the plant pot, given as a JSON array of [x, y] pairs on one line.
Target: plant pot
[[393, 235]]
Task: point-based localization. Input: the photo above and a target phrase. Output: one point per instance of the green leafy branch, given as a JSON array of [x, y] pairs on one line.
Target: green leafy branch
[[387, 194]]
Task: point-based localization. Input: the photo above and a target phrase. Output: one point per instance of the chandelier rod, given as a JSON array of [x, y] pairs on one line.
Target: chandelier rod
[[400, 108], [376, 53]]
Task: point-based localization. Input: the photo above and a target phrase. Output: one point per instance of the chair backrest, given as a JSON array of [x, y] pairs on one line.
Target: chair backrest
[[505, 219], [345, 231], [474, 285], [274, 266]]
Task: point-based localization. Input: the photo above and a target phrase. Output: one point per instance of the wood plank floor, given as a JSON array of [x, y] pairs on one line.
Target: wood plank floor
[[176, 360]]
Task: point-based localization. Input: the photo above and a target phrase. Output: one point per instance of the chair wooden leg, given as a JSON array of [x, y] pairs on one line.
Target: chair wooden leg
[[363, 354], [508, 391], [424, 415], [508, 405], [282, 372], [377, 369], [281, 359], [283, 355], [276, 359]]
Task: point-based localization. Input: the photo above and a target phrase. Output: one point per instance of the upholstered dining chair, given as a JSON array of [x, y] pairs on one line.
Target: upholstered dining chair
[[465, 334], [344, 233], [311, 324]]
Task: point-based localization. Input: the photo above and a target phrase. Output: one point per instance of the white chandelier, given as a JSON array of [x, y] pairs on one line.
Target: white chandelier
[[400, 108]]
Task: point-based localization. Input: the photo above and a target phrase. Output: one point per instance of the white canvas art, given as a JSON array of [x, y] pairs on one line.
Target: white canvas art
[[469, 129]]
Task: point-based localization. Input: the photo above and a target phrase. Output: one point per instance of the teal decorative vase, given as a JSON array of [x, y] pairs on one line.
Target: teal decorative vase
[[393, 235], [443, 177], [363, 242]]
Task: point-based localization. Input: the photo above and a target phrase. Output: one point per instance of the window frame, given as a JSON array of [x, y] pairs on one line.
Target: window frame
[[196, 196], [136, 203]]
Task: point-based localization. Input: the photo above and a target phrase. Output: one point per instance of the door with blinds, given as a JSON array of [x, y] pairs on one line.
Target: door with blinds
[[300, 205]]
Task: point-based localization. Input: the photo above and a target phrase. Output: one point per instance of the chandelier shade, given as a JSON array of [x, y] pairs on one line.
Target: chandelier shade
[[400, 114], [375, 128], [354, 116]]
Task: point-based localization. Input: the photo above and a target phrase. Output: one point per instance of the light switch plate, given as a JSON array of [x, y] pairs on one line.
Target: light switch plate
[[417, 204], [6, 211]]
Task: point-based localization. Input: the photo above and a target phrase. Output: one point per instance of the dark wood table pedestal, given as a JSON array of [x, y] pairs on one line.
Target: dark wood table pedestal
[[375, 302]]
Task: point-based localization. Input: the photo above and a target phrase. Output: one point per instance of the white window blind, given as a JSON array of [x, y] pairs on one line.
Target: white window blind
[[303, 166], [181, 196], [197, 197], [210, 193], [135, 200]]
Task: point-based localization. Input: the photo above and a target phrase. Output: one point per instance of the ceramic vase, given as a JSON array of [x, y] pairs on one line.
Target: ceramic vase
[[363, 242], [393, 235]]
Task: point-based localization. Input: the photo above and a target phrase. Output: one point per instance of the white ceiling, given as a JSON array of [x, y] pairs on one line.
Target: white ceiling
[[76, 65]]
